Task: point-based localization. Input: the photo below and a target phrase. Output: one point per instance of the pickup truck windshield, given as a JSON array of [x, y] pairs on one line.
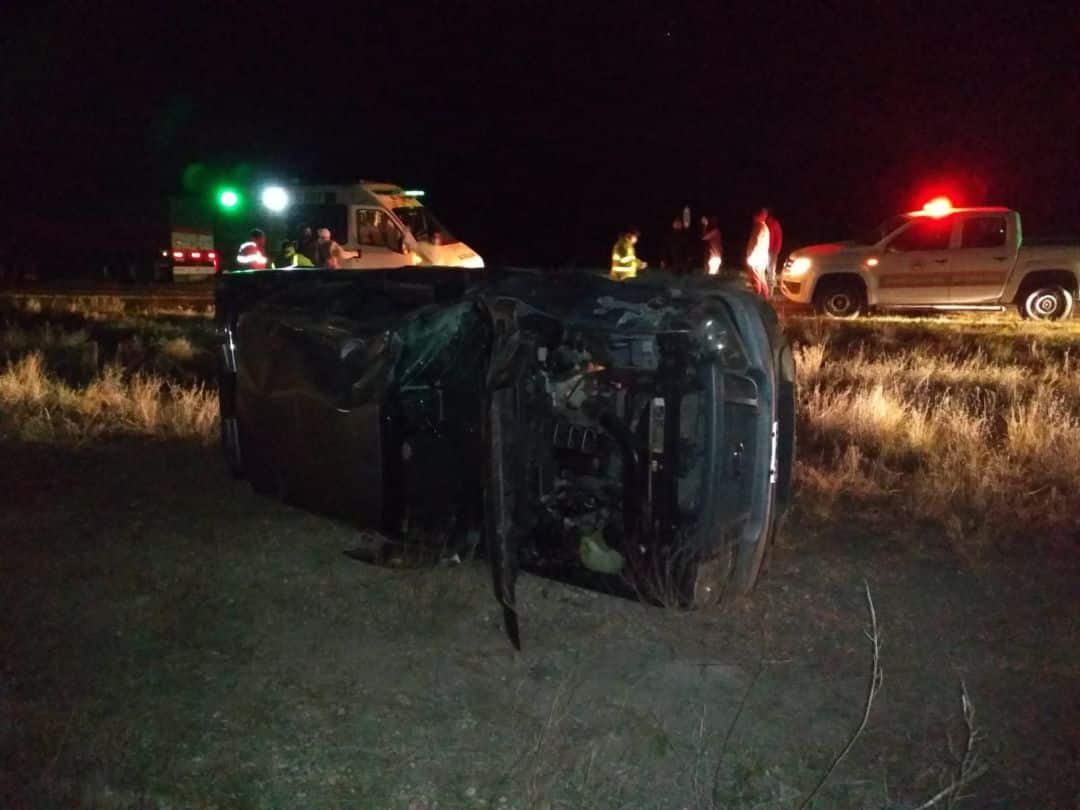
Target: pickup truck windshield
[[424, 226], [882, 230]]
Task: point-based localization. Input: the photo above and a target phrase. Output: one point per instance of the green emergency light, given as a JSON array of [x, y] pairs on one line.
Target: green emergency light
[[228, 199], [414, 192]]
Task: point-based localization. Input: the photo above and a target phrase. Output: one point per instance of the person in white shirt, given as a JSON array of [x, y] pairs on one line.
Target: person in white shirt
[[757, 254]]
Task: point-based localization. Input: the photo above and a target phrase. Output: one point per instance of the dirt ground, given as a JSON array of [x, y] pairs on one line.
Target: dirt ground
[[172, 640]]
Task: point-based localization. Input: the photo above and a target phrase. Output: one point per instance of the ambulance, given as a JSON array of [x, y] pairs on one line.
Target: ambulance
[[383, 224]]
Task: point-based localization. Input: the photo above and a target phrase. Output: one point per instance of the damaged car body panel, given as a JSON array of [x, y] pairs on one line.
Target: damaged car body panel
[[634, 438]]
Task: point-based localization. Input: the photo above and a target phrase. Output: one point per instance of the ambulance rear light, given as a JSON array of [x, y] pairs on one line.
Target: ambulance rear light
[[193, 256]]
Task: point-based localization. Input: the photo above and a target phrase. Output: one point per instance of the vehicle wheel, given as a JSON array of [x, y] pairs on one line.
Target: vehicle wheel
[[844, 299], [1050, 303]]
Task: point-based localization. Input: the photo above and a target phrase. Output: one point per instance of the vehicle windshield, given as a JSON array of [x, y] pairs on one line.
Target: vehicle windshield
[[882, 230], [423, 225]]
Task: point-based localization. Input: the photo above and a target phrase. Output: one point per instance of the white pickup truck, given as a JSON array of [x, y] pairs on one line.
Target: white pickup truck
[[938, 258]]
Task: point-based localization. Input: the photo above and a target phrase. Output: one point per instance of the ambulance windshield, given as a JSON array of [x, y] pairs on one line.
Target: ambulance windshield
[[423, 225]]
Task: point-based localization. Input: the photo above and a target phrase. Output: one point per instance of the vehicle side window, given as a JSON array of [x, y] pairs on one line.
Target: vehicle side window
[[374, 228], [369, 229], [983, 232], [924, 234]]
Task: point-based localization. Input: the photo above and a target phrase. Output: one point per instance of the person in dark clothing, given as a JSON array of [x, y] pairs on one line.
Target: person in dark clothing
[[675, 248], [307, 242]]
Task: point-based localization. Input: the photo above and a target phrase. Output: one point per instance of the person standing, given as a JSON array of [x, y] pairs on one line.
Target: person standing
[[306, 246], [329, 253], [291, 258], [624, 261], [757, 254], [252, 254], [675, 258], [714, 245], [776, 238]]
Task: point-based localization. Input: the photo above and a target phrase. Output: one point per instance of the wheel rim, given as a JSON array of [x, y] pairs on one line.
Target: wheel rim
[[1045, 305], [839, 303]]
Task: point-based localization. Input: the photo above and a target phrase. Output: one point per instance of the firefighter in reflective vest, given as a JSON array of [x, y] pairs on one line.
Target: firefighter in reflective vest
[[252, 254], [624, 261], [291, 258]]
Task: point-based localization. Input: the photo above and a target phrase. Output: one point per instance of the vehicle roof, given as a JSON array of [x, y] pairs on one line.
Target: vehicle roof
[[985, 209], [366, 192]]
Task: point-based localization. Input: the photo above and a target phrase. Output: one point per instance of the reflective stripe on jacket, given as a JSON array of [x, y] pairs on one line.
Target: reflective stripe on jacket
[[249, 257], [624, 260]]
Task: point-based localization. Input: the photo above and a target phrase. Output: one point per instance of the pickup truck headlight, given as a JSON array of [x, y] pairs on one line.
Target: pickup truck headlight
[[798, 267]]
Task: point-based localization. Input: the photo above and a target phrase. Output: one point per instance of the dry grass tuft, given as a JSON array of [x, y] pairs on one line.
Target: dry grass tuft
[[960, 437], [37, 406]]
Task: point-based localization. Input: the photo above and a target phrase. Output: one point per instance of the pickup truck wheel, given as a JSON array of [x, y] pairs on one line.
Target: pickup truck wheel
[[842, 299], [1048, 303]]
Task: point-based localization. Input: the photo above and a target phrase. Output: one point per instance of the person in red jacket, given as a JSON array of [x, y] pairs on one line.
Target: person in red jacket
[[252, 254]]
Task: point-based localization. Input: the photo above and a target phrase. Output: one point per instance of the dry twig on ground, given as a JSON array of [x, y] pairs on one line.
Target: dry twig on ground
[[876, 678], [970, 767]]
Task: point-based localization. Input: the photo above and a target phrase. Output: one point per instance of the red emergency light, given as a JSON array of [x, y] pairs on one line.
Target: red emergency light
[[938, 207]]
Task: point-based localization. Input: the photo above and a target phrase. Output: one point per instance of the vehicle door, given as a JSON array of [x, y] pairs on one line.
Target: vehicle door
[[380, 239], [981, 263], [914, 268]]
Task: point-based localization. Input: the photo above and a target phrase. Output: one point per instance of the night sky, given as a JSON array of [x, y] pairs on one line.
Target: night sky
[[540, 129]]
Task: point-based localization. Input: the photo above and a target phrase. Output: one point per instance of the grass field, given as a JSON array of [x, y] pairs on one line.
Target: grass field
[[963, 424], [173, 640]]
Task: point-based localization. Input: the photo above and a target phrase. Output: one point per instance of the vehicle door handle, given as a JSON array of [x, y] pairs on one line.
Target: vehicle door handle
[[940, 261], [1000, 258]]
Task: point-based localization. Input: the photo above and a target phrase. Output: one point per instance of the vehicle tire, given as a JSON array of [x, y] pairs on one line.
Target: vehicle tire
[[1050, 303], [841, 299]]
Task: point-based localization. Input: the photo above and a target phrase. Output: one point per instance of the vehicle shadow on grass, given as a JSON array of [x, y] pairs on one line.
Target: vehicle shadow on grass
[[173, 639]]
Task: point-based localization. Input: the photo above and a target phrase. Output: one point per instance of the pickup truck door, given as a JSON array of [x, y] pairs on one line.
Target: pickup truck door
[[914, 268], [379, 237], [981, 263]]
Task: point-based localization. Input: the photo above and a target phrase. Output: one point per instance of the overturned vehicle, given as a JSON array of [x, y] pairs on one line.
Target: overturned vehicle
[[630, 437]]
